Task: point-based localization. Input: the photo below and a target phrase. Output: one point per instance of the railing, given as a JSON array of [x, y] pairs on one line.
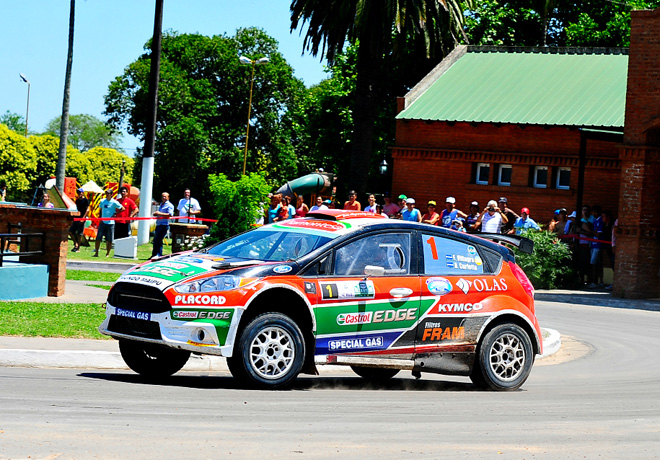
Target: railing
[[23, 240]]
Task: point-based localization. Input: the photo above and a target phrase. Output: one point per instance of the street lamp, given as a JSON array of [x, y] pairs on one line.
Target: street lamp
[[27, 111], [383, 167], [248, 61]]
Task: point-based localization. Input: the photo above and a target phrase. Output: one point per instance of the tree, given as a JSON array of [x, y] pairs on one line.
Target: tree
[[14, 121], [46, 149], [86, 131], [105, 166], [203, 107], [18, 161], [64, 129], [379, 28]]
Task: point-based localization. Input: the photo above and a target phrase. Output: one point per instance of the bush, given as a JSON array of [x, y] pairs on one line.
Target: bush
[[236, 205], [550, 265]]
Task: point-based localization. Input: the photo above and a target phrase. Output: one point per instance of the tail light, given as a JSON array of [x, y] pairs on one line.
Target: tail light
[[522, 279]]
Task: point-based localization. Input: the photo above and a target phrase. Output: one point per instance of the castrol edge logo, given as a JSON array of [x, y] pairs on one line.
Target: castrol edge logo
[[354, 318]]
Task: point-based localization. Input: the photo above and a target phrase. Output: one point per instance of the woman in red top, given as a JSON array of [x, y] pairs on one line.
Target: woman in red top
[[431, 217], [352, 204], [301, 208]]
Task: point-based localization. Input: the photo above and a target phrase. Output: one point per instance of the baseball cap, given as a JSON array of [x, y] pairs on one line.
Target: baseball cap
[[327, 202], [450, 199], [410, 200], [474, 203], [431, 203], [524, 210], [403, 197], [503, 199], [572, 214], [80, 190]]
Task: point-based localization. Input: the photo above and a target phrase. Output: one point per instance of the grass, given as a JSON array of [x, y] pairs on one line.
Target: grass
[[143, 252], [88, 275], [51, 319]]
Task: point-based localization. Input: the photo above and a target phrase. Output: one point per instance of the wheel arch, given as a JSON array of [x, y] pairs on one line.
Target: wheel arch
[[511, 316]]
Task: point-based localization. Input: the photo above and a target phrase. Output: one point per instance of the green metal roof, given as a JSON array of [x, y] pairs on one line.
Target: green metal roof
[[557, 88]]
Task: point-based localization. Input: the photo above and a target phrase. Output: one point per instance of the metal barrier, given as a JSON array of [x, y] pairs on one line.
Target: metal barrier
[[22, 240]]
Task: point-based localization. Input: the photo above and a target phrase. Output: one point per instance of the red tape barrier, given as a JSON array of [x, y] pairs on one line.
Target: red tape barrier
[[130, 219], [578, 237]]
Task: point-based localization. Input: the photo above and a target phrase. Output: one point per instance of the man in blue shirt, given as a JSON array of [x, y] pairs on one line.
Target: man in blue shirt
[[165, 211], [410, 213], [524, 222], [108, 208]]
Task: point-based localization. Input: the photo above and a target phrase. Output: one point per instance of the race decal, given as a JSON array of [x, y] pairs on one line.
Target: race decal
[[362, 289]]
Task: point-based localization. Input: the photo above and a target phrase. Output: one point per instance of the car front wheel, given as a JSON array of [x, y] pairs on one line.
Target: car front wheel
[[152, 361], [270, 352], [504, 359]]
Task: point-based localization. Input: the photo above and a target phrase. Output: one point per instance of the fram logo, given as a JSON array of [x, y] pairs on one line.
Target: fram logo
[[354, 318], [464, 285]]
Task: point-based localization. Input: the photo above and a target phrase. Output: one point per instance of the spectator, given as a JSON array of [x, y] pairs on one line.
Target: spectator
[[372, 204], [290, 209], [596, 248], [560, 226], [457, 224], [188, 207], [331, 204], [45, 201], [472, 218], [123, 225], [584, 250], [613, 246], [3, 191], [390, 208], [381, 210], [552, 225], [78, 227], [165, 211], [431, 217], [274, 209], [352, 204], [410, 213], [402, 206], [524, 222], [491, 218], [106, 229], [302, 209], [450, 213], [511, 216], [319, 205]]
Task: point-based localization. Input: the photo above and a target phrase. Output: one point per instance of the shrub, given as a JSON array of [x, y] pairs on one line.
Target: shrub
[[550, 265]]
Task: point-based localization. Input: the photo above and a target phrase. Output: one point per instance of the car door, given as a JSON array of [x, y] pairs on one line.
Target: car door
[[454, 280], [370, 300]]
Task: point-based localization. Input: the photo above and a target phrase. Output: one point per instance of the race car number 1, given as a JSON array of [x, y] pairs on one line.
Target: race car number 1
[[363, 289]]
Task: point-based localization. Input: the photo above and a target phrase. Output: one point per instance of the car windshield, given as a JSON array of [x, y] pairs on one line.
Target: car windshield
[[269, 245]]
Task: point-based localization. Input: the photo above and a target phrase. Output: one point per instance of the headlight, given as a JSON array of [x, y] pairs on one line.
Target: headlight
[[217, 283]]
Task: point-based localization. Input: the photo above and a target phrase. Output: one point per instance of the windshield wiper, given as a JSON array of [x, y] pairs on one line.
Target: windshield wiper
[[243, 263]]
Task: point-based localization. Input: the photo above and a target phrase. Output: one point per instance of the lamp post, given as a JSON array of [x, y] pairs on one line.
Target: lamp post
[[248, 61], [383, 167], [27, 111]]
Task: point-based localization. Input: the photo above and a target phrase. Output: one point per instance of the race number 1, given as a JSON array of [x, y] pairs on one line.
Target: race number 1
[[329, 291]]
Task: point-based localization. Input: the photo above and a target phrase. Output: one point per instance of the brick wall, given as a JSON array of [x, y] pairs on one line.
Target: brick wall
[[54, 223]]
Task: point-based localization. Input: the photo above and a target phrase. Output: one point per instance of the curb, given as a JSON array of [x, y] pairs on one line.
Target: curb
[[96, 359]]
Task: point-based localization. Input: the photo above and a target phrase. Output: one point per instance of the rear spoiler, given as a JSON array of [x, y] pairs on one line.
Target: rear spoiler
[[523, 244]]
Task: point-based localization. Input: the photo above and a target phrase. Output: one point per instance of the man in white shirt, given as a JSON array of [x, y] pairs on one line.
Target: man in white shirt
[[492, 218], [319, 206], [188, 207]]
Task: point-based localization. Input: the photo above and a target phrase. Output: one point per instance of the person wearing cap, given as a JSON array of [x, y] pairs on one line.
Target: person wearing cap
[[472, 218], [109, 206], [410, 213], [524, 222], [123, 225], [511, 216], [319, 206], [390, 208], [450, 213], [431, 217], [491, 218], [352, 204], [372, 204], [78, 227], [561, 222]]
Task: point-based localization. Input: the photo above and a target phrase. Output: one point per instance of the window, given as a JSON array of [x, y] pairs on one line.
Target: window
[[388, 251], [540, 177], [563, 178], [443, 256], [483, 173], [504, 175]]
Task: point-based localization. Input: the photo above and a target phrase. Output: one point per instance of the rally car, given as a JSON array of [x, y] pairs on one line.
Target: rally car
[[334, 288]]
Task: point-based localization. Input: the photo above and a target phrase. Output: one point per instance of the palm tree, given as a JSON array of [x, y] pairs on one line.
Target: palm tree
[[378, 27], [64, 127]]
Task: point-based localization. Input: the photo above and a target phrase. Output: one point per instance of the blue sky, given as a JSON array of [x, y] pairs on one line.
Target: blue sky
[[109, 35]]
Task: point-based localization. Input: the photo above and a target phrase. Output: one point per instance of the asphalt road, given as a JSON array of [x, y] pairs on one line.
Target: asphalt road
[[599, 397]]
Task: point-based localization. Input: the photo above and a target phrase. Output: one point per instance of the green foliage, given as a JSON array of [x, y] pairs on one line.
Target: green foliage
[[105, 166], [18, 161], [550, 265], [51, 319], [46, 148], [14, 121], [86, 132], [236, 205]]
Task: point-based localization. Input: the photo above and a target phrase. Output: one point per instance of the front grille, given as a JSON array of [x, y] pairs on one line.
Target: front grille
[[136, 327], [138, 297]]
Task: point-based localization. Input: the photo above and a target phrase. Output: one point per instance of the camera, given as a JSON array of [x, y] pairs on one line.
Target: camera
[[491, 209]]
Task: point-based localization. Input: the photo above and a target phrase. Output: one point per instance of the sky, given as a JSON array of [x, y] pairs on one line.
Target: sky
[[109, 35]]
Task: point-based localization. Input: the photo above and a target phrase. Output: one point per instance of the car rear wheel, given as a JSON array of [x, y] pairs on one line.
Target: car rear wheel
[[504, 359], [270, 352], [375, 374], [151, 360]]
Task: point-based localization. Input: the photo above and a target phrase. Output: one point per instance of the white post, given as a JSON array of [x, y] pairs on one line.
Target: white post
[[145, 199]]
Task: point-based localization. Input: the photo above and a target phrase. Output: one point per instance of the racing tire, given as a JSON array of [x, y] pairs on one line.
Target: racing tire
[[152, 361], [270, 352], [375, 374], [504, 358]]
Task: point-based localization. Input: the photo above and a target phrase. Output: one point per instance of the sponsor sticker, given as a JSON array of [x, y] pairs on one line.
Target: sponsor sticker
[[132, 314], [357, 343], [439, 286], [199, 299], [327, 226], [282, 269], [363, 289], [201, 314], [472, 250], [354, 318], [464, 285]]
